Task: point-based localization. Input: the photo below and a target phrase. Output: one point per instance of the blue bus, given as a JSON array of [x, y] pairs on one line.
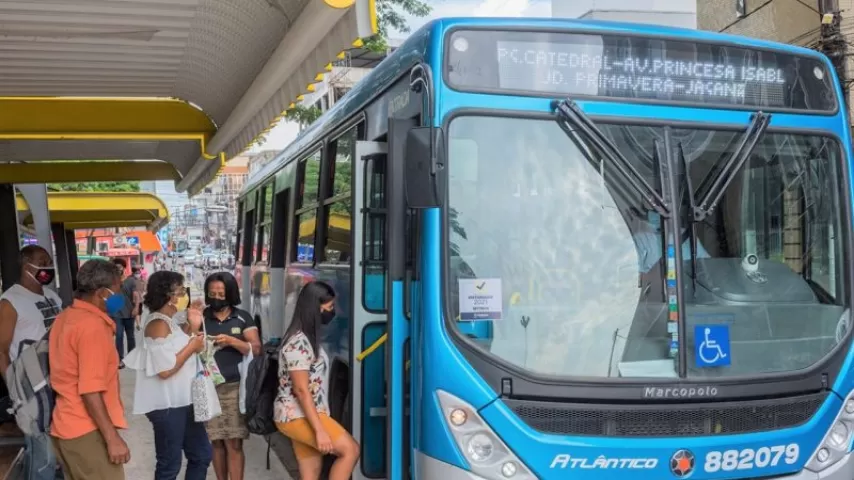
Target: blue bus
[[569, 249]]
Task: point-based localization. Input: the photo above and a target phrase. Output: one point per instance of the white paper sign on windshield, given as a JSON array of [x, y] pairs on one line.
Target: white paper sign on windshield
[[480, 299]]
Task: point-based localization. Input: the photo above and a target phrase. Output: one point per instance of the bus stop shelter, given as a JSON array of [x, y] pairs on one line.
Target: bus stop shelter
[[70, 211], [152, 89]]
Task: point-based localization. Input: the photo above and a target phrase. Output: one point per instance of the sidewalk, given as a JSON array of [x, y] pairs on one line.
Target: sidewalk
[[140, 440]]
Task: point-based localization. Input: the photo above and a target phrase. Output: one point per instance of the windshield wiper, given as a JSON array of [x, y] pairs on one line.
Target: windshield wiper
[[572, 120], [758, 123]]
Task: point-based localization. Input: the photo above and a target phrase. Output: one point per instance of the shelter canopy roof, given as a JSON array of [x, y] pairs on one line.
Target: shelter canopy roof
[[189, 83]]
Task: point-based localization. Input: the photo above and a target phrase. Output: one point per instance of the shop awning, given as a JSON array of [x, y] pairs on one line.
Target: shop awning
[[143, 240]]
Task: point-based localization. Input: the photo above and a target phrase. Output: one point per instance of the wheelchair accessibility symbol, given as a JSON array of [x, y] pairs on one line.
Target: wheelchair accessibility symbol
[[711, 345]]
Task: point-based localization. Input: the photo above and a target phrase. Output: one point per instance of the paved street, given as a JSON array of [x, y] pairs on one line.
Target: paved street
[[141, 442]]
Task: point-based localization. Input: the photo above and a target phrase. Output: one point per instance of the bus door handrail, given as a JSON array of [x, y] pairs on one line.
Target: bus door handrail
[[373, 347]]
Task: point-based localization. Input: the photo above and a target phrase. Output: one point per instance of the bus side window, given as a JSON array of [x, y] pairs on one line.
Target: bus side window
[[239, 236], [265, 223], [338, 204], [248, 237], [305, 214], [375, 267]]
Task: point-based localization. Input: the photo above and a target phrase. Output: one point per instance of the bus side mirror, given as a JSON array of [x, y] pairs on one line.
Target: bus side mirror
[[423, 169]]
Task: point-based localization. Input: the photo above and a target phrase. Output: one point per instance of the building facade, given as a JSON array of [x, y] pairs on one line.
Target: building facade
[[795, 22], [165, 189], [824, 25], [674, 13], [223, 195], [345, 74], [210, 216]]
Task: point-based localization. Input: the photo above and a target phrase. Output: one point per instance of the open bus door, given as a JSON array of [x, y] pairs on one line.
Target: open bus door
[[380, 391], [368, 331]]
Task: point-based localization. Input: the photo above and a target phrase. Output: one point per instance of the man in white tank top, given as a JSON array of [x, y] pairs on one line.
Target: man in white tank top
[[27, 310]]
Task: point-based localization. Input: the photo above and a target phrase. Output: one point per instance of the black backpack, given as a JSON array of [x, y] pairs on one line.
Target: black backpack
[[262, 384]]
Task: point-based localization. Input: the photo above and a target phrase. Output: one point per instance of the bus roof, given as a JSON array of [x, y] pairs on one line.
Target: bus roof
[[415, 49]]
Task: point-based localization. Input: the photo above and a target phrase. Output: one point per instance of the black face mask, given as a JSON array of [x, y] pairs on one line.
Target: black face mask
[[327, 316], [218, 304]]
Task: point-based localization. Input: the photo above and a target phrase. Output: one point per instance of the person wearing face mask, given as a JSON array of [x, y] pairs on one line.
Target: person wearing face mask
[[126, 318], [84, 374], [165, 365], [301, 409], [27, 310], [30, 306], [234, 333]]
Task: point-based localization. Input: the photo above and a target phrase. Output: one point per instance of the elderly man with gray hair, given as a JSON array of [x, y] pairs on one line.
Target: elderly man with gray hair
[[84, 374]]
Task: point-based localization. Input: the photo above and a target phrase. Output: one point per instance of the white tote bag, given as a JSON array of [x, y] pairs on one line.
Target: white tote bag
[[243, 368], [206, 405]]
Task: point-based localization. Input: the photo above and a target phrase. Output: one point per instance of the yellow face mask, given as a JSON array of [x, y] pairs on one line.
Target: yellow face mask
[[183, 303]]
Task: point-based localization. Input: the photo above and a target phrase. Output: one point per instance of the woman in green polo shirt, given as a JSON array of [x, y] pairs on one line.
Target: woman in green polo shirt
[[234, 333]]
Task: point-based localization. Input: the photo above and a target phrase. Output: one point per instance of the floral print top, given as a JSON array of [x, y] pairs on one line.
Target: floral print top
[[297, 354]]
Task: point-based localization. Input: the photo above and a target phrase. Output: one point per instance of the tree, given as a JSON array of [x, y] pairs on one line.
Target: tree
[[95, 187], [389, 17], [304, 115]]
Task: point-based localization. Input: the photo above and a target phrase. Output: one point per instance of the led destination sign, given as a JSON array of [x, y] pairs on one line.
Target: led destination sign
[[628, 75], [636, 67]]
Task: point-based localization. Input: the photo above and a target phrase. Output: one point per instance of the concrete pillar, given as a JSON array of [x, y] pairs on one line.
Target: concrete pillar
[[36, 197], [62, 263], [10, 245]]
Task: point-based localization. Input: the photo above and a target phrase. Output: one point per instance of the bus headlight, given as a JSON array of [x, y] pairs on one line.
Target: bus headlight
[[486, 454], [838, 437], [834, 445], [480, 447], [458, 417], [508, 469]]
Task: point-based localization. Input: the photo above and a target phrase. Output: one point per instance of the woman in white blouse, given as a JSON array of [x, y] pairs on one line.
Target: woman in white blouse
[[166, 364]]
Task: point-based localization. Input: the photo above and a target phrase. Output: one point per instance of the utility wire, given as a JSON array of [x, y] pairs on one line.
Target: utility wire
[[808, 6], [760, 7]]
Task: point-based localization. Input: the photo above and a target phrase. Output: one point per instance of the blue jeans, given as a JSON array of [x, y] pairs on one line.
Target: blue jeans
[[175, 430], [40, 461], [125, 327]]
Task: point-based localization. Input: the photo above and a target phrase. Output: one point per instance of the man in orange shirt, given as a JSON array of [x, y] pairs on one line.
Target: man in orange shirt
[[84, 374]]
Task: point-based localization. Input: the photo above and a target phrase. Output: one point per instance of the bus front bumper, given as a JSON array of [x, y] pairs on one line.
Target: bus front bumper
[[841, 470], [428, 468]]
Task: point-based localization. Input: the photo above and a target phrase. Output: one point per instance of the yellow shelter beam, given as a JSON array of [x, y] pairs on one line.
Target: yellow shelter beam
[[104, 118], [101, 210], [87, 171], [93, 115]]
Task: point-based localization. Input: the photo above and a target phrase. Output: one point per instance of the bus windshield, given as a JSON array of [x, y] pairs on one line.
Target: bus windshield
[[565, 270]]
